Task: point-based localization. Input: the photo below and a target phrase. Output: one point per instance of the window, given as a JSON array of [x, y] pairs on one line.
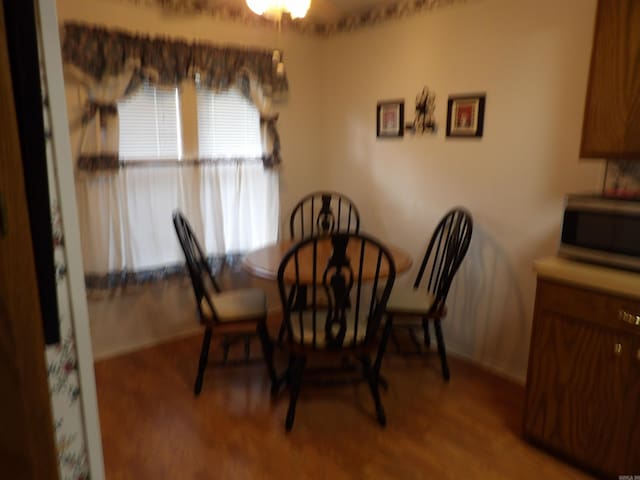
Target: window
[[234, 206], [228, 125], [150, 125]]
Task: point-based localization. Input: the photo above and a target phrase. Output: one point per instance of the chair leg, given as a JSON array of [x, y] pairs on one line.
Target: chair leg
[[296, 380], [267, 351], [247, 348], [395, 341], [225, 349], [383, 345], [204, 357], [281, 333], [373, 380], [427, 336], [441, 349], [284, 379]]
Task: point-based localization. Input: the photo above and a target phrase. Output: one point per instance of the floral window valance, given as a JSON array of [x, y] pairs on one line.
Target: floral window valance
[[112, 65], [99, 52]]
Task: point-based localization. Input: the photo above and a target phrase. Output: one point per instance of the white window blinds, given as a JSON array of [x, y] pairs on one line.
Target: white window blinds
[[228, 125], [150, 125]]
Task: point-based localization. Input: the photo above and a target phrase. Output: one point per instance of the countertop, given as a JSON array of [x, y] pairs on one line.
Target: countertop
[[596, 277]]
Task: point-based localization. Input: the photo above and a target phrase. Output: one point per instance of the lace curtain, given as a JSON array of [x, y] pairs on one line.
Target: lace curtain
[[125, 208], [125, 218]]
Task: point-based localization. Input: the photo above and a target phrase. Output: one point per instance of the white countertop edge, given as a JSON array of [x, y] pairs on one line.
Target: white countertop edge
[[596, 277]]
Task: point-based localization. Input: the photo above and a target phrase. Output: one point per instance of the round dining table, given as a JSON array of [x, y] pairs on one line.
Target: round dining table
[[265, 262]]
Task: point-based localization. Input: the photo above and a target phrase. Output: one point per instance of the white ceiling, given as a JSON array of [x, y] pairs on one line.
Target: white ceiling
[[325, 11], [333, 10]]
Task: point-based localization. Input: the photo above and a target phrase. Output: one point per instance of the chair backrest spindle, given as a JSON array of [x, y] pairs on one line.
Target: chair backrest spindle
[[197, 264], [445, 252], [351, 270], [335, 213]]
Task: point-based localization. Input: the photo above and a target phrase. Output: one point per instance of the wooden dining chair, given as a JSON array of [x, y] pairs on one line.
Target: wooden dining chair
[[348, 325], [231, 314], [323, 213], [320, 213], [426, 300]]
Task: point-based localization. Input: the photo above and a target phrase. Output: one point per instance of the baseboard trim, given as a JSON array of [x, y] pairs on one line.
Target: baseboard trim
[[124, 349], [490, 367], [189, 331]]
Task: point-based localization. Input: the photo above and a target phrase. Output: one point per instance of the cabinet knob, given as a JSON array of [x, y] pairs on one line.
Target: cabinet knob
[[617, 349], [630, 318]]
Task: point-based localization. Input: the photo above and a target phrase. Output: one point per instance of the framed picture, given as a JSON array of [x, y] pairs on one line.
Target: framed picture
[[390, 118], [465, 115]]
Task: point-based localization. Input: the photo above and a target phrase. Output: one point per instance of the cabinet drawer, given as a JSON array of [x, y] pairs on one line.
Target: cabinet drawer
[[604, 309]]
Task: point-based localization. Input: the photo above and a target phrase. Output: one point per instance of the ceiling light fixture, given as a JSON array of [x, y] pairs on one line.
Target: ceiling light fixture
[[275, 8]]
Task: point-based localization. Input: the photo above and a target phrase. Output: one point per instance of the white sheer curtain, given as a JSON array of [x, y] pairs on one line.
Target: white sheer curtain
[[125, 217]]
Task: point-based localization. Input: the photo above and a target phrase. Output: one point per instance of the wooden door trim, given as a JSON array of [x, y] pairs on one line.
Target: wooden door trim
[[27, 445], [52, 58]]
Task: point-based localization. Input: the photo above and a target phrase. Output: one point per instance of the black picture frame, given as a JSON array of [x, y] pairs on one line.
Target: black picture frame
[[465, 115], [390, 119]]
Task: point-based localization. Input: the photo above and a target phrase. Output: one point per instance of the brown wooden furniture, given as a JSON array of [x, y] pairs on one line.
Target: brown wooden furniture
[[232, 314], [583, 382], [264, 263], [322, 213], [27, 443], [425, 301], [347, 325], [611, 127]]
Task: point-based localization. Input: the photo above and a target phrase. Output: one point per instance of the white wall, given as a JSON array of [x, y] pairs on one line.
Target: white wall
[[531, 58], [299, 122]]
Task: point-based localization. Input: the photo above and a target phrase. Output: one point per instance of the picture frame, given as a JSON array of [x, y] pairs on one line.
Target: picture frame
[[390, 119], [465, 115]]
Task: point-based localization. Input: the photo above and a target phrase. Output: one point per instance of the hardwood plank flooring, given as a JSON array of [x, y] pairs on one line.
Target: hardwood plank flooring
[[153, 427]]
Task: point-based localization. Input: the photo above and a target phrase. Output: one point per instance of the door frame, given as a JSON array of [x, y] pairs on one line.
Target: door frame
[[52, 57], [27, 442]]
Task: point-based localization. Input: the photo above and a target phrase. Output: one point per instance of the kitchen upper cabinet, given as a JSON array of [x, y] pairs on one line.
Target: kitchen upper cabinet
[[611, 126]]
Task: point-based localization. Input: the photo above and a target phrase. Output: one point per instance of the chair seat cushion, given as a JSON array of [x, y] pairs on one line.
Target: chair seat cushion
[[409, 301], [321, 337], [236, 305]]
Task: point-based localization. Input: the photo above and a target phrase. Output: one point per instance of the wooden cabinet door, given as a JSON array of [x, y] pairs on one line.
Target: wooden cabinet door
[[575, 390], [611, 127], [632, 411], [27, 449]]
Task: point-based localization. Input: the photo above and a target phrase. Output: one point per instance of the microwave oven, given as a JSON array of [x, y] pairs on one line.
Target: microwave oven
[[604, 230]]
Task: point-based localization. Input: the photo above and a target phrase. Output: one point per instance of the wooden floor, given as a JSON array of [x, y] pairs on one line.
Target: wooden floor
[[154, 428]]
